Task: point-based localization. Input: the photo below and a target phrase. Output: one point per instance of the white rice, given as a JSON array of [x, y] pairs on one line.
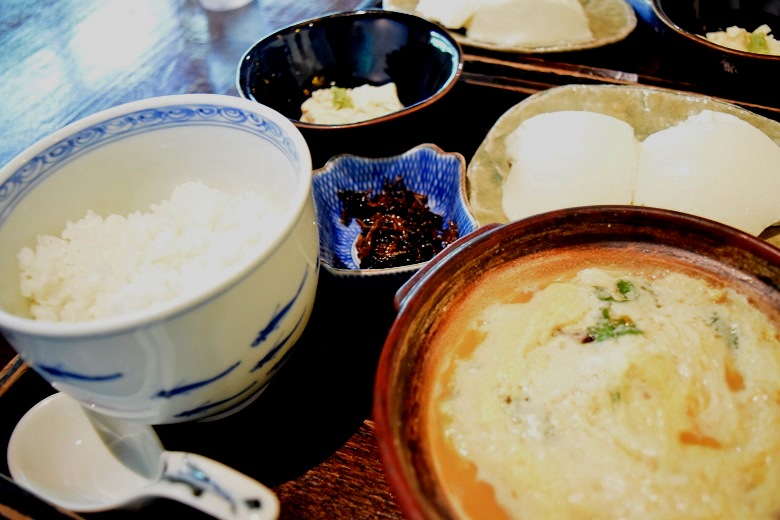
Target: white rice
[[100, 267]]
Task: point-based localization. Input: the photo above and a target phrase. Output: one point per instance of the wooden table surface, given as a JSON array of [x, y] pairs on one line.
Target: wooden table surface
[[310, 434]]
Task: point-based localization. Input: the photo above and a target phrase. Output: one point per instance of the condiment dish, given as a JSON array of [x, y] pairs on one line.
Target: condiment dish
[[425, 170], [371, 47], [683, 24]]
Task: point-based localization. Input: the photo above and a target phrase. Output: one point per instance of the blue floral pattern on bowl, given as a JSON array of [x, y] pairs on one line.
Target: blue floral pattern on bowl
[[142, 368], [41, 166], [44, 164], [425, 169], [61, 373]]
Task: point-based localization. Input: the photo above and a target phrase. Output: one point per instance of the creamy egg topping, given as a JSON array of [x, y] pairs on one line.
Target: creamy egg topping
[[611, 394]]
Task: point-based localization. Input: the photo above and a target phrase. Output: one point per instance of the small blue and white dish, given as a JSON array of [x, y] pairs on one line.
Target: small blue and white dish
[[425, 169]]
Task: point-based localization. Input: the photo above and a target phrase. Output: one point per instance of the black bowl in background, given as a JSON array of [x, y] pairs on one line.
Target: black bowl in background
[[701, 16], [684, 22], [349, 49]]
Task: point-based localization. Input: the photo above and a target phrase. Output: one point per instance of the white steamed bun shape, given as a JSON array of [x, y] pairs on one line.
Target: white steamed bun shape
[[529, 22], [569, 158], [452, 14], [713, 165]]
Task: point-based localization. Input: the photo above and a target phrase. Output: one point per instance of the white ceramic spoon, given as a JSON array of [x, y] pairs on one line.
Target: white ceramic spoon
[[85, 462]]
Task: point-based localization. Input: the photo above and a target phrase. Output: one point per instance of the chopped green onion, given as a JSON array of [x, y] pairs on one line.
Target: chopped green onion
[[611, 328], [341, 98], [625, 292], [757, 43]]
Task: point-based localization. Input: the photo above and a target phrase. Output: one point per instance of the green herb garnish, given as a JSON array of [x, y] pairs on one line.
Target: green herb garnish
[[757, 43], [725, 330], [610, 328], [625, 292], [341, 98]]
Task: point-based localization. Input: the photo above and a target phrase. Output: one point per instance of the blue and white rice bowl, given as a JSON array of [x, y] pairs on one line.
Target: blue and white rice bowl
[[425, 169], [197, 356]]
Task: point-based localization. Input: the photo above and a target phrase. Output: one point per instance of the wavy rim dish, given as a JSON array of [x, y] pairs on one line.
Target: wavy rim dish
[[609, 20], [459, 208], [647, 109]]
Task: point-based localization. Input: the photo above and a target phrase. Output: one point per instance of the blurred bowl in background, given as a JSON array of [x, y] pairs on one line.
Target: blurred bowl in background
[[684, 23], [610, 21], [200, 353], [425, 170], [369, 47]]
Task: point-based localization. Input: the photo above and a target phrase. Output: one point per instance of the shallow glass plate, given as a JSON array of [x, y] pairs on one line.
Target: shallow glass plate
[[610, 21], [648, 110]]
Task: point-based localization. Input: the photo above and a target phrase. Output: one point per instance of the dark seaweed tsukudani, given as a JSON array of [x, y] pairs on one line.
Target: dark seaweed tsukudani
[[397, 227]]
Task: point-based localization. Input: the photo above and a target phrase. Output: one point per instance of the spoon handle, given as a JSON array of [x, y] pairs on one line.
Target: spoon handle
[[216, 489]]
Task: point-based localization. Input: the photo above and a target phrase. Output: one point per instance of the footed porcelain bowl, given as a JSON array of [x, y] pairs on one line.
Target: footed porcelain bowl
[[194, 357]]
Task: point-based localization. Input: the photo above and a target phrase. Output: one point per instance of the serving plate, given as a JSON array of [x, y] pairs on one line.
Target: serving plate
[[647, 109], [610, 21]]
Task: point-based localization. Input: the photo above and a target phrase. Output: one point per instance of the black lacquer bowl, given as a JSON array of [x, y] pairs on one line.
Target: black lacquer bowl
[[682, 23], [351, 49]]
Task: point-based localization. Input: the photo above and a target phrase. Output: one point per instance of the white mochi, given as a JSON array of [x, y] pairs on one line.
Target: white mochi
[[569, 158], [452, 14], [529, 22], [712, 165]]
